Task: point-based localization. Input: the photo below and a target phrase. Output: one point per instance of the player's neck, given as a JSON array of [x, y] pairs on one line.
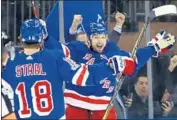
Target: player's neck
[[31, 51]]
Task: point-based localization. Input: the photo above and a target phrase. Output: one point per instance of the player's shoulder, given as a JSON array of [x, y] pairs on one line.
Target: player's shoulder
[[78, 45], [53, 53]]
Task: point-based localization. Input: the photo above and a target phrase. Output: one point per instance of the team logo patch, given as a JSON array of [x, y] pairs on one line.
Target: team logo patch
[[110, 90], [91, 61], [106, 83], [29, 58], [103, 57], [121, 64], [87, 56]]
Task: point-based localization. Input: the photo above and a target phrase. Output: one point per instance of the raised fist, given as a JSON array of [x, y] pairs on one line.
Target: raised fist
[[77, 20], [120, 18]]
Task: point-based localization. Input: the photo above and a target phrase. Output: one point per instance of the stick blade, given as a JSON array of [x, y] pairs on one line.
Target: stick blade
[[165, 10]]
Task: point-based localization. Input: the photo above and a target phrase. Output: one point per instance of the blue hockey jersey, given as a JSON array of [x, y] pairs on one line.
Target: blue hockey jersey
[[37, 81], [94, 97]]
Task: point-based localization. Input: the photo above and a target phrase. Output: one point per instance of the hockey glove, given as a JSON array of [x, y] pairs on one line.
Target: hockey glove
[[122, 64], [10, 50], [162, 42]]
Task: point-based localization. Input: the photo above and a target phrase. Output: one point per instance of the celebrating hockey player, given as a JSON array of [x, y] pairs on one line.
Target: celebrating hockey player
[[92, 100], [6, 91], [36, 75]]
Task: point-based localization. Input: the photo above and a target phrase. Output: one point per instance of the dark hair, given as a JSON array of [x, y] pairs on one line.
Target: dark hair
[[141, 73], [32, 45]]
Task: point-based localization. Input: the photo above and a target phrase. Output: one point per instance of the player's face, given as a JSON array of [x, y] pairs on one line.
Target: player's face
[[141, 86], [98, 42]]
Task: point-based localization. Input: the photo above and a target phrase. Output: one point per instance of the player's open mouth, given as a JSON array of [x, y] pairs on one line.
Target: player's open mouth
[[99, 46]]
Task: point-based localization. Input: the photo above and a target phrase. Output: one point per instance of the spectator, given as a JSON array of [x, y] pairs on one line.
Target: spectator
[[137, 103], [173, 74], [161, 76]]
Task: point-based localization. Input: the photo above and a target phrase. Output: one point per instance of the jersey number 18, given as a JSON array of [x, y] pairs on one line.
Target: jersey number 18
[[41, 99]]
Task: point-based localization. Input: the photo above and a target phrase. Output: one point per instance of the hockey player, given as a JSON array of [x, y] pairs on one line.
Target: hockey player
[[6, 90], [95, 99], [36, 76], [7, 101], [76, 32]]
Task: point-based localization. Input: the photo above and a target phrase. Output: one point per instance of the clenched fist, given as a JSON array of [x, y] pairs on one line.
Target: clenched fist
[[77, 20], [120, 18]]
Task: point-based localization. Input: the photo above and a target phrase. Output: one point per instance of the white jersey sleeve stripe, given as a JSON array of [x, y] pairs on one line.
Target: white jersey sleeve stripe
[[85, 77], [5, 111], [81, 76], [66, 51]]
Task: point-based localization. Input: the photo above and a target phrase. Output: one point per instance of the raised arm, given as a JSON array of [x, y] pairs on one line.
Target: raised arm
[[116, 32], [69, 50], [159, 44], [77, 20]]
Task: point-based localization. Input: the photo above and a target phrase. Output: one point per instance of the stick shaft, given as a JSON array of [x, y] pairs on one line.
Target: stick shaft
[[35, 12], [139, 39], [121, 79]]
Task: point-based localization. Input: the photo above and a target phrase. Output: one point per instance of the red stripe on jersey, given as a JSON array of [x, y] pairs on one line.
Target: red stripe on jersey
[[67, 52], [81, 76], [86, 99]]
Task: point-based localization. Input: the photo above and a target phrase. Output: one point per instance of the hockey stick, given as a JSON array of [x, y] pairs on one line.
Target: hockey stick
[[156, 12], [35, 12]]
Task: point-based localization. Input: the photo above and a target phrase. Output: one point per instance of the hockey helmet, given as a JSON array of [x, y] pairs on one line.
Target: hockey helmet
[[32, 31], [97, 28]]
